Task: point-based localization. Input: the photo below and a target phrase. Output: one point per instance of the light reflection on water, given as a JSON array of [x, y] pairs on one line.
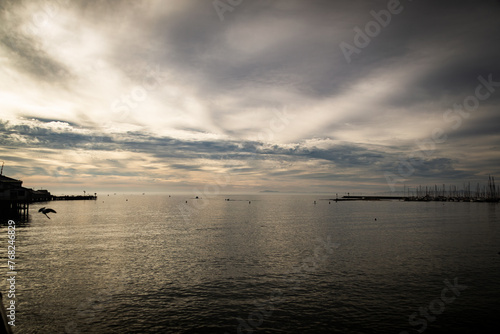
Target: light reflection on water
[[138, 266]]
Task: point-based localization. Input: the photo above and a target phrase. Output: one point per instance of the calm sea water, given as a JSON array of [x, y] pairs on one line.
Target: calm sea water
[[280, 264]]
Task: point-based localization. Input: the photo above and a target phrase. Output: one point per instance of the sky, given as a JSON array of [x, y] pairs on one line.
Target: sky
[[234, 96]]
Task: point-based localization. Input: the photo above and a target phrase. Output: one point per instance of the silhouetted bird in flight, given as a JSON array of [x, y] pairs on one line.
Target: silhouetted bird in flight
[[45, 211]]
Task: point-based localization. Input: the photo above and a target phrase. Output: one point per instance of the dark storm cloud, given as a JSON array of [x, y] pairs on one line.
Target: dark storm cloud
[[196, 42], [348, 155], [165, 147], [456, 38], [344, 156]]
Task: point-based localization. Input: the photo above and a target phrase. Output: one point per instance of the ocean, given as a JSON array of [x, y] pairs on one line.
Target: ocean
[[255, 264]]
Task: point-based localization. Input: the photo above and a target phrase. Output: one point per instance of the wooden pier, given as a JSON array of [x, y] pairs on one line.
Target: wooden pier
[[74, 198], [15, 210], [15, 199]]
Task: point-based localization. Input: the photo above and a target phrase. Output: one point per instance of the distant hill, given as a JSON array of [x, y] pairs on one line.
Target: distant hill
[[269, 191]]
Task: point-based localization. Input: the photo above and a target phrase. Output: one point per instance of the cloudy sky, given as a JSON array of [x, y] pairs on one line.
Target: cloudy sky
[[242, 96]]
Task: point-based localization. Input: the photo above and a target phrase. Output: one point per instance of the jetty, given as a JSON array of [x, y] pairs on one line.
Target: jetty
[[489, 193], [374, 198]]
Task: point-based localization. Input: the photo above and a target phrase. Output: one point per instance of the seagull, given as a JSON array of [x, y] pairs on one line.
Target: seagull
[[45, 211]]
